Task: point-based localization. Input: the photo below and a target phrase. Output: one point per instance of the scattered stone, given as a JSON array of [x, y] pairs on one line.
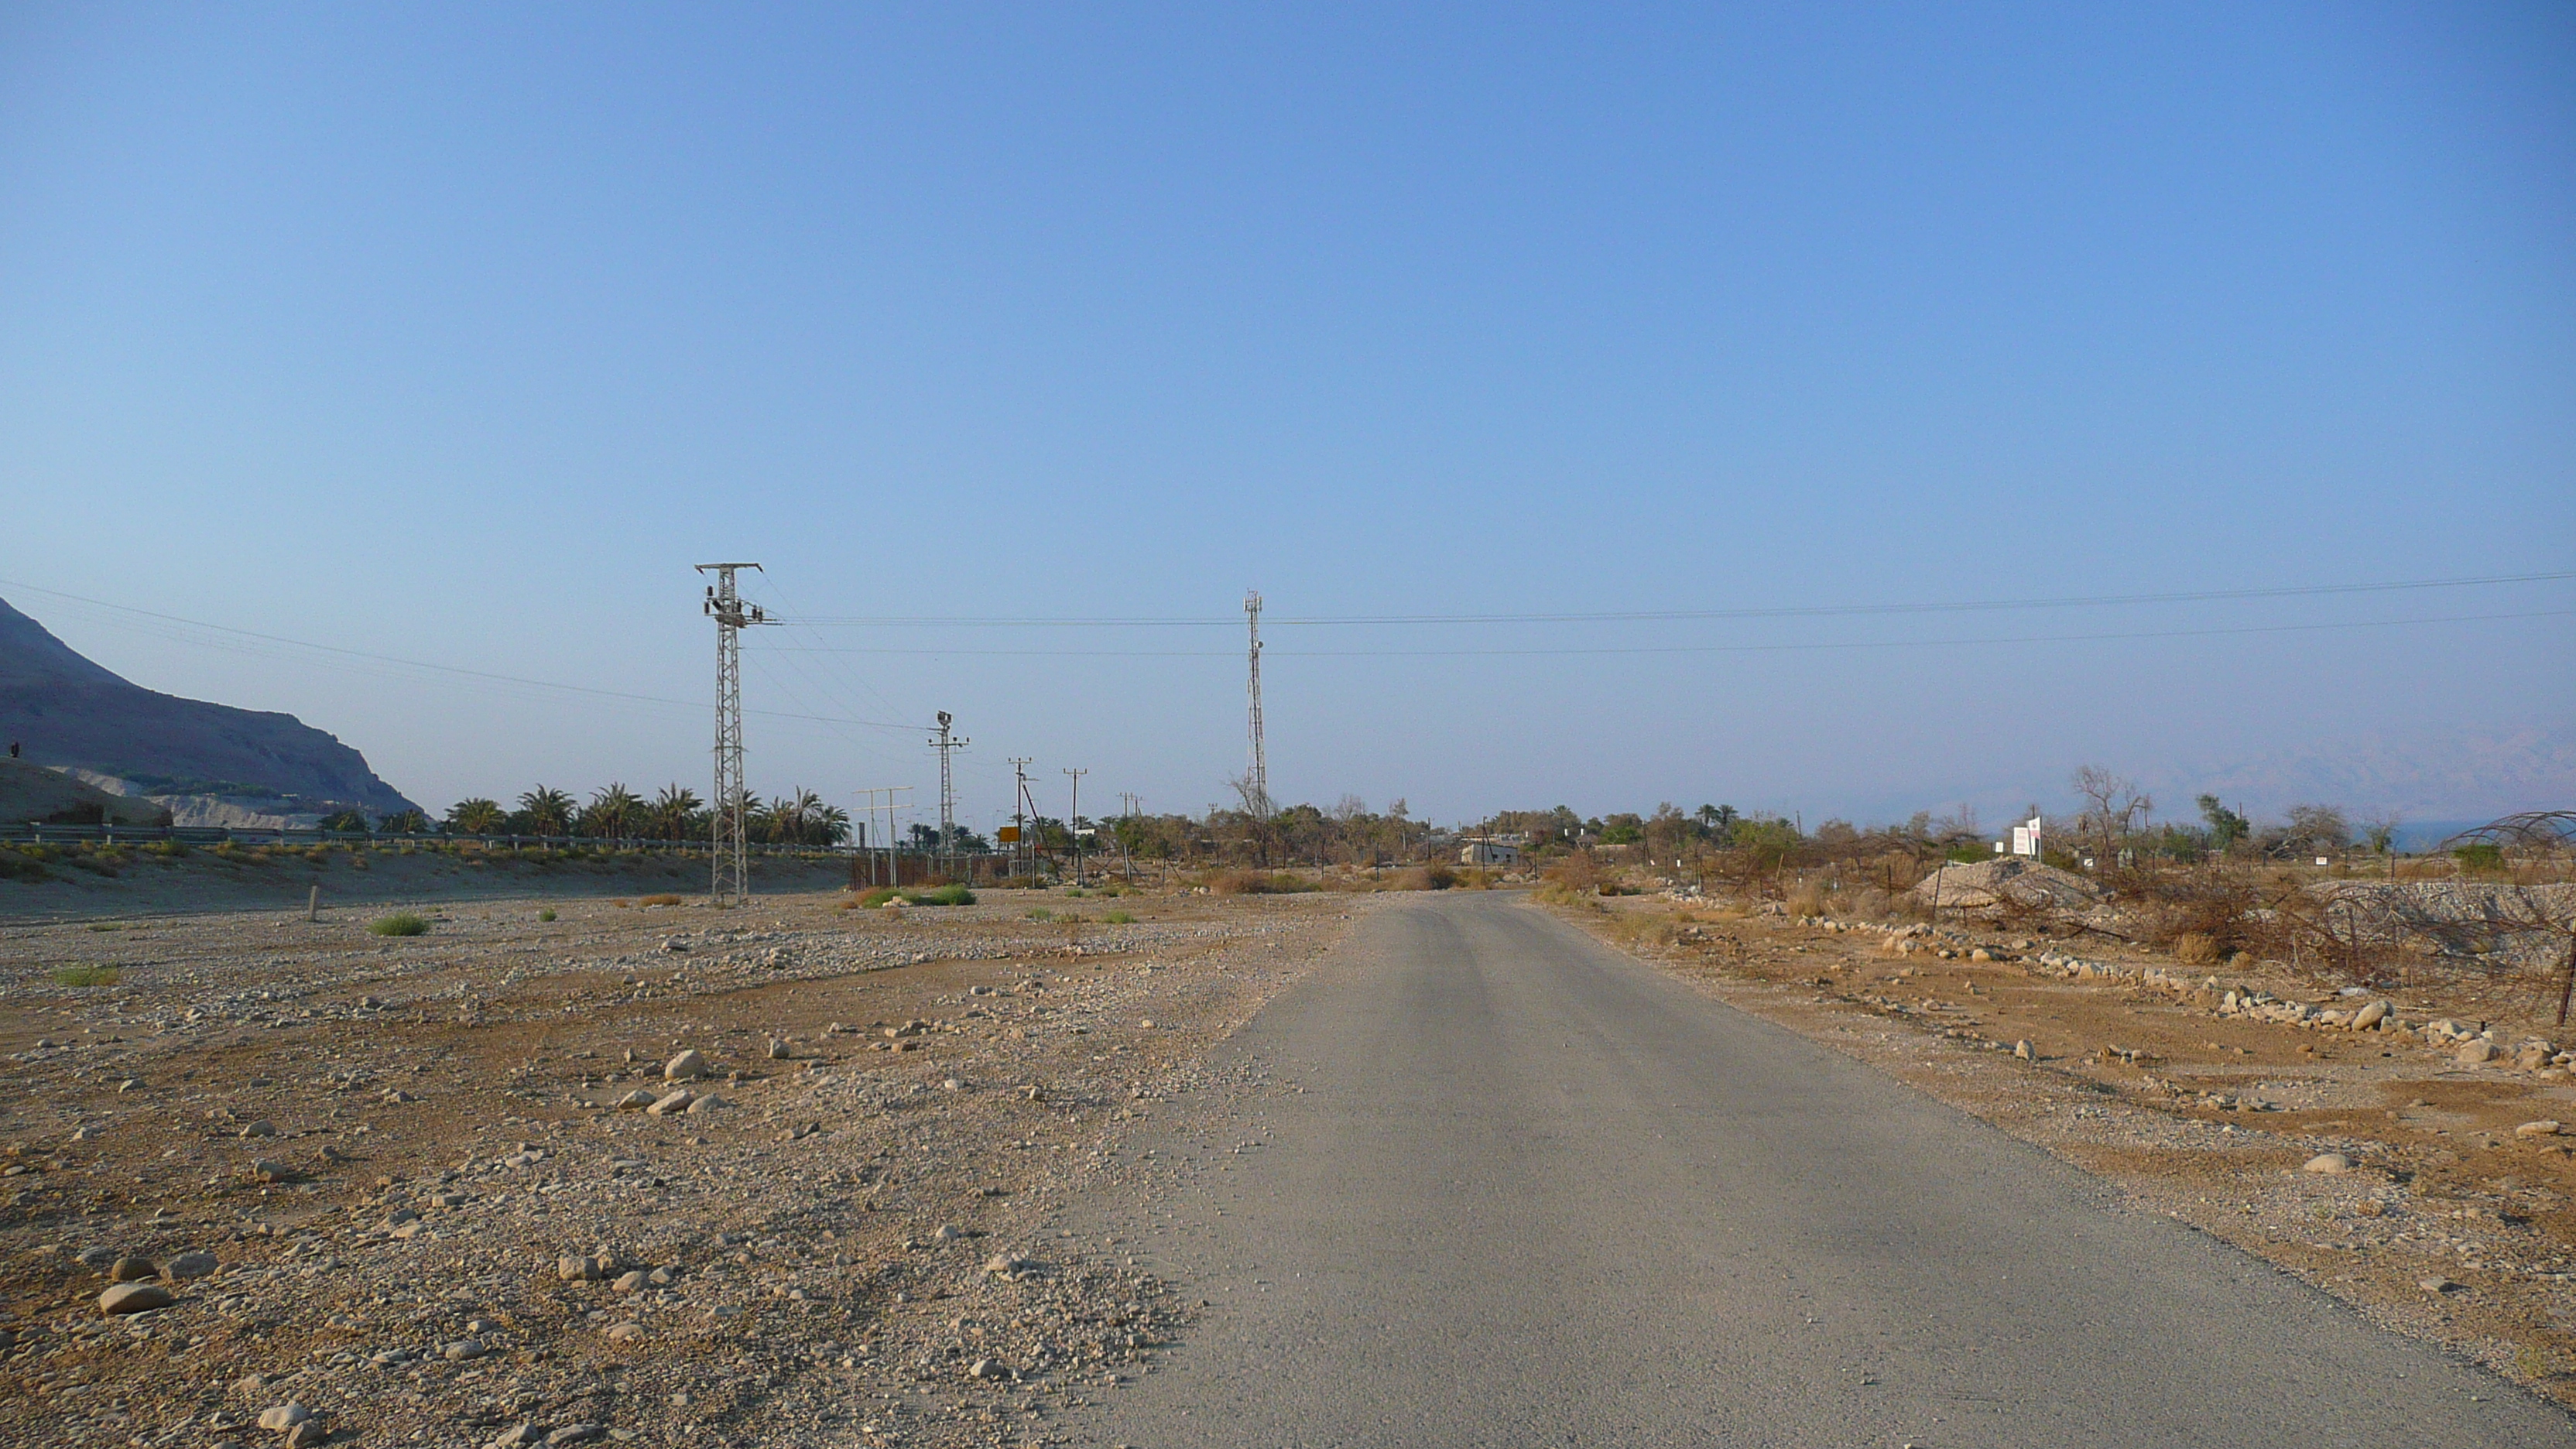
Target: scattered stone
[[635, 1101], [2329, 1163], [306, 1435], [282, 1417], [708, 1103], [127, 1298], [2022, 1050], [267, 1171], [189, 1265], [780, 1051], [2543, 1128], [987, 1369], [626, 1332], [2438, 1285], [260, 1129], [687, 1066], [629, 1282], [947, 1233], [131, 1269], [1147, 1023], [675, 1102], [575, 1434], [2371, 1016], [572, 1269], [462, 1349], [2476, 1054]]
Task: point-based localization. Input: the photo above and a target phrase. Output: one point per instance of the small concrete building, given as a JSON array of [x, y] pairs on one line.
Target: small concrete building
[[1486, 850]]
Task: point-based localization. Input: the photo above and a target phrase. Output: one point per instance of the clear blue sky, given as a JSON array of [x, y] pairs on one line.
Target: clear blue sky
[[459, 333]]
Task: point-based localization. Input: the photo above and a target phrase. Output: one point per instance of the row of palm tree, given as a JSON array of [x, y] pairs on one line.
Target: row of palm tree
[[799, 817]]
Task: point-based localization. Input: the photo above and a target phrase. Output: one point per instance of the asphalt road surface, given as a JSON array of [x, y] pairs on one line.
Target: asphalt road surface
[[1535, 1193]]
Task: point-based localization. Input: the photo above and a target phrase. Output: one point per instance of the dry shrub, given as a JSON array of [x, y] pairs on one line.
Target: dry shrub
[[1808, 899], [1257, 883], [661, 900], [2213, 902], [1577, 872], [2192, 948], [1423, 878]]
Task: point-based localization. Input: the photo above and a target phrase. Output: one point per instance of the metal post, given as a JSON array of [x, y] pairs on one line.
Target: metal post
[[1074, 822]]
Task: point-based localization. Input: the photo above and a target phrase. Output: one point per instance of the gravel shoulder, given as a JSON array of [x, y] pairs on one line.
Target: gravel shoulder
[[387, 1182]]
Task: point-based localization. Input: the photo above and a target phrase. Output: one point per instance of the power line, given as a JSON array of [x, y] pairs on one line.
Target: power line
[[1725, 648], [1795, 611]]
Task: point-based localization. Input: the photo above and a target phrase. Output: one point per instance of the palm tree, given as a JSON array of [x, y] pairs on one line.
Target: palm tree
[[674, 813], [477, 816], [612, 814], [345, 820], [830, 825], [546, 812], [403, 822]]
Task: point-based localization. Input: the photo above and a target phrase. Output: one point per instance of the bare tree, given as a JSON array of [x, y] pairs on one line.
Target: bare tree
[[2114, 808]]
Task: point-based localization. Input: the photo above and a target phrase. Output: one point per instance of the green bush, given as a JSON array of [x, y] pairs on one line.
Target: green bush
[[86, 975], [400, 923], [15, 865], [1041, 914], [547, 914], [1120, 918], [2483, 858], [947, 895]]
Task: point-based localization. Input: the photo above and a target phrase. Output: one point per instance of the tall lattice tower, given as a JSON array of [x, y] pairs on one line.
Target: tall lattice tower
[[1256, 794], [731, 865], [947, 744]]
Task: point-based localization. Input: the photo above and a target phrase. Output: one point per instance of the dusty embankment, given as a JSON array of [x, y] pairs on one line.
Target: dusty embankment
[[2401, 1166], [387, 1181], [105, 880]]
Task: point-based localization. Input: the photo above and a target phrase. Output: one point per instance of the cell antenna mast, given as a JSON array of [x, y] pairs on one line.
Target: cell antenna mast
[[947, 743], [726, 843], [1257, 795]]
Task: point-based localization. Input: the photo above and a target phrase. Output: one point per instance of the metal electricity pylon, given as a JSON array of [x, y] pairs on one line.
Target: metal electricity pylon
[[1256, 794], [730, 867], [947, 744]]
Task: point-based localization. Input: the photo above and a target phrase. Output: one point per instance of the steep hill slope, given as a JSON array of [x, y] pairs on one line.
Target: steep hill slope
[[70, 713]]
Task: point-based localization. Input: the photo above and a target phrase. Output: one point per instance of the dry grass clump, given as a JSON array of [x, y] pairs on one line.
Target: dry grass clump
[[1808, 900], [1422, 878], [2192, 948], [660, 900]]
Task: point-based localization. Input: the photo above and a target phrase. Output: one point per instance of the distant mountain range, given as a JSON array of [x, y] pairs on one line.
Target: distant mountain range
[[208, 764], [2450, 775]]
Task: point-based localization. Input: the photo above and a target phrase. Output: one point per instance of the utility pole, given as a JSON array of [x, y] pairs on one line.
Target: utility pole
[[1074, 823], [1020, 815], [1257, 797], [946, 744], [892, 840], [731, 866]]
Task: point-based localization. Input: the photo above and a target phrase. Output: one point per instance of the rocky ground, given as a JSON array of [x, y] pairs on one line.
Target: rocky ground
[[410, 1190], [2402, 1151]]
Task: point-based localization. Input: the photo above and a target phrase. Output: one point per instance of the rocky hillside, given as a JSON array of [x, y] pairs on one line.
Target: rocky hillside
[[201, 760]]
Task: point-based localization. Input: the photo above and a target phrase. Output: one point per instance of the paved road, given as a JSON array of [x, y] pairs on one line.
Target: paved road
[[1537, 1194]]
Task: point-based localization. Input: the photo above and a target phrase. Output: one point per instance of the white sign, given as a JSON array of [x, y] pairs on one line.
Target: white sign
[[2025, 841]]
